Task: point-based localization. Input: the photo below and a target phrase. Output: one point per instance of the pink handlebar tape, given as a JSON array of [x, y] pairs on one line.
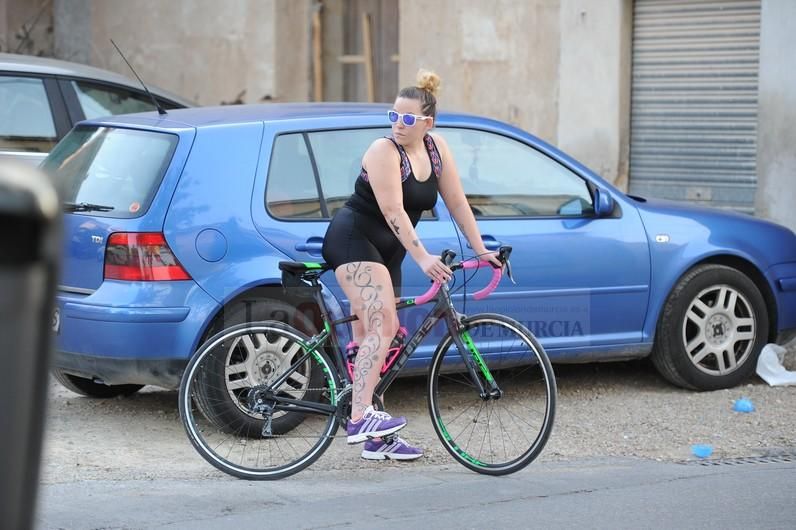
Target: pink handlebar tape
[[480, 295]]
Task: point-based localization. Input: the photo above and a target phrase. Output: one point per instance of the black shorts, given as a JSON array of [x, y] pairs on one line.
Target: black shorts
[[354, 236]]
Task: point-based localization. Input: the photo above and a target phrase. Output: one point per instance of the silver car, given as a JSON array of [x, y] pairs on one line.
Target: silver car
[[41, 99]]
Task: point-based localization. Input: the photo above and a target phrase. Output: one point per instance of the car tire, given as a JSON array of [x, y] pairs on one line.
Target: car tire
[[88, 388], [711, 329], [216, 400]]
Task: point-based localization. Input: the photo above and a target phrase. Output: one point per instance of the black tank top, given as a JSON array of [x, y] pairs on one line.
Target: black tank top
[[418, 196]]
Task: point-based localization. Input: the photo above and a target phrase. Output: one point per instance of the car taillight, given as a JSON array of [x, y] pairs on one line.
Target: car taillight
[[142, 256]]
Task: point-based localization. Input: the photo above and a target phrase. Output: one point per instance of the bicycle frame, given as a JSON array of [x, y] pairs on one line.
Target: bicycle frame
[[443, 309]]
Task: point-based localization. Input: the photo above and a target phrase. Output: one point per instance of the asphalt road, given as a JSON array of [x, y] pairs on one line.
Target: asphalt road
[[614, 493], [619, 457]]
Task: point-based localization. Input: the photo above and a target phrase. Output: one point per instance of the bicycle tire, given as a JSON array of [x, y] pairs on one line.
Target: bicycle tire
[[467, 424], [225, 446]]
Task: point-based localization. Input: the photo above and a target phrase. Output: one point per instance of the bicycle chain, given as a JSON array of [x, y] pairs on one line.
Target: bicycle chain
[[346, 390]]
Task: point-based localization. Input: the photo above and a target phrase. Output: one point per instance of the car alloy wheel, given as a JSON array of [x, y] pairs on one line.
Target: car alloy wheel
[[719, 330], [711, 329], [257, 359]]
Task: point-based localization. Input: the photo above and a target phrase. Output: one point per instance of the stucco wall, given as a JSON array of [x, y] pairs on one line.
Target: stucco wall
[[4, 26], [557, 68], [36, 17], [291, 50], [497, 58], [594, 85], [249, 50], [776, 126]]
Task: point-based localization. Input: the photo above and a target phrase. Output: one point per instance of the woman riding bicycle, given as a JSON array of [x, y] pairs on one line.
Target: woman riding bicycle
[[368, 238]]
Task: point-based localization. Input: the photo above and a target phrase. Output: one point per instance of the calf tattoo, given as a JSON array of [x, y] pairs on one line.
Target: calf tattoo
[[373, 316]]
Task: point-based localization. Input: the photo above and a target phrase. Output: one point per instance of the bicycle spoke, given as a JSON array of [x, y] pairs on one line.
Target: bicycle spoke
[[462, 380], [475, 423], [517, 418], [453, 420], [503, 438], [486, 431]]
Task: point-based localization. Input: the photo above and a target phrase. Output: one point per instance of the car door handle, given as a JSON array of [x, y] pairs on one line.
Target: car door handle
[[489, 242], [312, 245]]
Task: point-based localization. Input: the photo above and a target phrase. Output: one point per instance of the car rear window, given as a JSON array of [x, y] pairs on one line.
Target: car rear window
[[118, 168]]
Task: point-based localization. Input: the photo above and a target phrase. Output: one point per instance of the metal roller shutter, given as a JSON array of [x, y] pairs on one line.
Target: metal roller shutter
[[694, 101]]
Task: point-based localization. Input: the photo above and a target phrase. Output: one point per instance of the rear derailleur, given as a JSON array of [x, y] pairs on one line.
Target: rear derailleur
[[259, 403]]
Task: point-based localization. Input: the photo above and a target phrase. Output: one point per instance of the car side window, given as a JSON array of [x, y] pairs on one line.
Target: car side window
[[26, 120], [291, 191], [338, 156], [506, 178], [99, 100]]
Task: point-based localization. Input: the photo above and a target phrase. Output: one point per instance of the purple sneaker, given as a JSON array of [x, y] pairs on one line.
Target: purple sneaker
[[396, 449], [374, 424]]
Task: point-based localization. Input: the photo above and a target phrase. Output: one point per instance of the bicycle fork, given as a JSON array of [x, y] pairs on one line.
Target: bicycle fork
[[474, 361]]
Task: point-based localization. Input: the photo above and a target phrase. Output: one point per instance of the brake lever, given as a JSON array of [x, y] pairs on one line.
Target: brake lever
[[508, 272]]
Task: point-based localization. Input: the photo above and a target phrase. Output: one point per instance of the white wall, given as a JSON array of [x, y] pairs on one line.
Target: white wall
[[594, 81], [776, 124], [204, 50], [557, 68], [497, 58]]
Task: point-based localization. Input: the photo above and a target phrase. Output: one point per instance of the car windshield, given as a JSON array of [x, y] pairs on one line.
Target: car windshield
[[120, 169]]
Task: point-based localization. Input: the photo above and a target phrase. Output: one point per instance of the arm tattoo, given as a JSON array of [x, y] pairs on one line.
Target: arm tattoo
[[416, 243], [394, 223]]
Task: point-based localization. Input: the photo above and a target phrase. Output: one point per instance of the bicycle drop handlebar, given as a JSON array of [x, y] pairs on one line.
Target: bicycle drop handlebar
[[447, 257]]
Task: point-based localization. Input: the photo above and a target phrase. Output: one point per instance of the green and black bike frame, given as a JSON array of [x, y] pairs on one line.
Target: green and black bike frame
[[327, 339]]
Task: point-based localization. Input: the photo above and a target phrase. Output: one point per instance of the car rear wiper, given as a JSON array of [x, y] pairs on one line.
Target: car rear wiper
[[86, 207]]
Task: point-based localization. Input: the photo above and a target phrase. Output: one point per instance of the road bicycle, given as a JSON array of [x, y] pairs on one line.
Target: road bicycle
[[491, 387]]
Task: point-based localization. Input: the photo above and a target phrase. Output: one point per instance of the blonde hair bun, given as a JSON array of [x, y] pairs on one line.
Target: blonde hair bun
[[428, 81]]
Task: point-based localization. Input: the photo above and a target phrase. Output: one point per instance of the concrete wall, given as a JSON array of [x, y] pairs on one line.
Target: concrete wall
[[4, 33], [497, 58], [26, 27], [248, 51], [292, 50], [557, 68], [776, 125], [594, 85]]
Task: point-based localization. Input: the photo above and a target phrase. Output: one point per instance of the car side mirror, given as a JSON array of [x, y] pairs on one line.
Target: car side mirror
[[603, 203]]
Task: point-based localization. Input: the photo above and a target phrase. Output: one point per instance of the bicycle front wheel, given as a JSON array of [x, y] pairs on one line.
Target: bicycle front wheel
[[504, 431], [285, 399]]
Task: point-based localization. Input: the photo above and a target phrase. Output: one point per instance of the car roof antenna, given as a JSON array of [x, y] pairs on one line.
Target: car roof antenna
[[155, 101]]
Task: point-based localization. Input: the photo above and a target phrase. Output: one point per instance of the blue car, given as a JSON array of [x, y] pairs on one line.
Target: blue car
[[174, 227]]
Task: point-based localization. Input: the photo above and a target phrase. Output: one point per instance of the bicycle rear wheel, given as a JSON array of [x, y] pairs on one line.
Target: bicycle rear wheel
[[242, 445], [493, 435]]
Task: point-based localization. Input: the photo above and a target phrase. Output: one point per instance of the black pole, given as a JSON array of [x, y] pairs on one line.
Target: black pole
[[30, 232]]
